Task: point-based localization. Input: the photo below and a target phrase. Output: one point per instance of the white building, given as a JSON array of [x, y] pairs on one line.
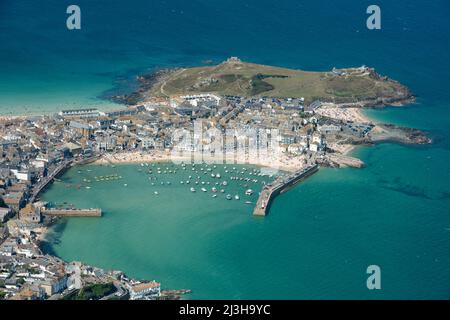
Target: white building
[[21, 175], [314, 147], [147, 289]]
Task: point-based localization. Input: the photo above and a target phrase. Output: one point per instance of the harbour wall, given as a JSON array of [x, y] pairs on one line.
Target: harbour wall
[[280, 185], [56, 212]]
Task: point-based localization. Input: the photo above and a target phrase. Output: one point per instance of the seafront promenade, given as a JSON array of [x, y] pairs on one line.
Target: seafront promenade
[[48, 179]]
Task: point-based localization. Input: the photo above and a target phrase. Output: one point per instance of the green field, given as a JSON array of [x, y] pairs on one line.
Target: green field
[[248, 79], [92, 292]]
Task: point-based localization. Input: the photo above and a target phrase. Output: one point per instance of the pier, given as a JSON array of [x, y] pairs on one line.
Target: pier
[[72, 212], [271, 190]]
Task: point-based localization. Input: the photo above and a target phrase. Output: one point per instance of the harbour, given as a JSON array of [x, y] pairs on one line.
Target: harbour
[[319, 236]]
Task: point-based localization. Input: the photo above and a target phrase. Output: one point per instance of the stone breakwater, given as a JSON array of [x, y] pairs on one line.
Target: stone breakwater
[[71, 212]]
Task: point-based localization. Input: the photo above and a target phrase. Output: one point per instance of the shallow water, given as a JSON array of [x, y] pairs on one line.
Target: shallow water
[[319, 237]]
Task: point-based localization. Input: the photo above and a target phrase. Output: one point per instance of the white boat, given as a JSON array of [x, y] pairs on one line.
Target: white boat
[[218, 176], [125, 185], [248, 202], [229, 197], [224, 183], [156, 193], [214, 189], [204, 190], [214, 195], [88, 187], [236, 197], [249, 192], [222, 191], [192, 189], [182, 182]]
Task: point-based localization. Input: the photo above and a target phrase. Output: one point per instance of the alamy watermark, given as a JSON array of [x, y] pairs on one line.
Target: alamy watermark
[[374, 280], [208, 144], [73, 22], [374, 20]]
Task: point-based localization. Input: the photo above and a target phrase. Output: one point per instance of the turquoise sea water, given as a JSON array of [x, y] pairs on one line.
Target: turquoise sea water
[[319, 237]]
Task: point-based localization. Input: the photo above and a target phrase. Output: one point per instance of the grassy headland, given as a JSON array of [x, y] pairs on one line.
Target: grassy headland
[[234, 77]]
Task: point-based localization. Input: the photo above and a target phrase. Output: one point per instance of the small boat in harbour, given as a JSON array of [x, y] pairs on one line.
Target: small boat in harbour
[[228, 197], [236, 197], [192, 189], [204, 190]]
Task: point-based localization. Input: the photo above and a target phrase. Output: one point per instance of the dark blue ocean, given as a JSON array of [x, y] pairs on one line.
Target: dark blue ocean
[[321, 236]]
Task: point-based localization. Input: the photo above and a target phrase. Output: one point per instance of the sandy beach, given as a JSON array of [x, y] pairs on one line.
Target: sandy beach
[[279, 162], [345, 114], [343, 149]]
